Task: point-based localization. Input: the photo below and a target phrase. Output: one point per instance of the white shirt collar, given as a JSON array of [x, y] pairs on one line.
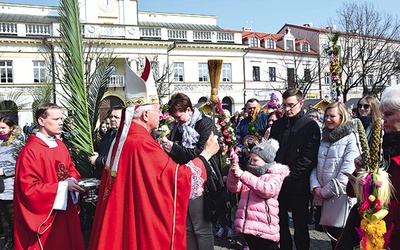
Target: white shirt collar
[[49, 140]]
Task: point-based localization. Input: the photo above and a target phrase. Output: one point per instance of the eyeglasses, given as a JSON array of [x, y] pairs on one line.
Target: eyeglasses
[[290, 105], [365, 106]]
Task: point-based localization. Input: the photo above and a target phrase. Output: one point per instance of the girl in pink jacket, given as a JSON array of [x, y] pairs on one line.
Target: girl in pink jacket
[[259, 186]]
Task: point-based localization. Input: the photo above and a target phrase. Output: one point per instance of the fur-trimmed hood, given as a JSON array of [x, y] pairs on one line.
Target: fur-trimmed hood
[[338, 133], [15, 135]]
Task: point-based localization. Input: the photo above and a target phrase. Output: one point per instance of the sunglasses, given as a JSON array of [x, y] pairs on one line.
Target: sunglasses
[[365, 106]]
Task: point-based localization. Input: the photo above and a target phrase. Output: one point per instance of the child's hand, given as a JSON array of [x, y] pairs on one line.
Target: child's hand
[[233, 155], [236, 170]]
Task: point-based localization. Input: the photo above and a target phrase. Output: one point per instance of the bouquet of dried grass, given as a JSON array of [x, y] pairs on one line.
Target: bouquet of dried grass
[[214, 70]]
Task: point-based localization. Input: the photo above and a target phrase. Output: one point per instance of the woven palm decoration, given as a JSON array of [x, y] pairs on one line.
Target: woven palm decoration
[[373, 191]]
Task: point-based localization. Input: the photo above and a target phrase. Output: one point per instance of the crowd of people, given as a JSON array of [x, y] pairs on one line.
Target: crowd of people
[[182, 190]]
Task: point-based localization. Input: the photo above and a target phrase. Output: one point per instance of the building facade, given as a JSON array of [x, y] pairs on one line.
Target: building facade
[[255, 64]]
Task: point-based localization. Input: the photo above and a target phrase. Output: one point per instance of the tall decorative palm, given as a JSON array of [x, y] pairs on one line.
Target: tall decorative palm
[[83, 87], [73, 81]]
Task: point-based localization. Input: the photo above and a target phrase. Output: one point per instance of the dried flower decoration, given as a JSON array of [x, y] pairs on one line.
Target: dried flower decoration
[[373, 191], [226, 127]]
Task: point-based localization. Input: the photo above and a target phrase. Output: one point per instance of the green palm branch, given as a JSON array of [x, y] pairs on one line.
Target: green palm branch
[[97, 87], [73, 82]]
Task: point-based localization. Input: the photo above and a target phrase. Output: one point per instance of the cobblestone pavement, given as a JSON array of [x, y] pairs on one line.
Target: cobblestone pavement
[[318, 241]]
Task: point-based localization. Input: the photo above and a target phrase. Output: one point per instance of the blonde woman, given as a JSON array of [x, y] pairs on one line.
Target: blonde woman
[[336, 155]]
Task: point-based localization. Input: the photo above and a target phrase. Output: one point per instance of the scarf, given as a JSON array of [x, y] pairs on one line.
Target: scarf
[[189, 134], [259, 170], [337, 133], [3, 136], [365, 120]]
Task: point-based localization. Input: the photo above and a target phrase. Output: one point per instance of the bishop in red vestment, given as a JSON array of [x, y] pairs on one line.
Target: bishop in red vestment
[[144, 195], [44, 171]]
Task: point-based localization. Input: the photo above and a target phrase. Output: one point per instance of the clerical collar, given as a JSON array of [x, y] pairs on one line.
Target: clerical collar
[[49, 140]]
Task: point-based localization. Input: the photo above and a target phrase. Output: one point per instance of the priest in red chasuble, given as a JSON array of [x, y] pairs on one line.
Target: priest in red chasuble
[[45, 189], [144, 195]]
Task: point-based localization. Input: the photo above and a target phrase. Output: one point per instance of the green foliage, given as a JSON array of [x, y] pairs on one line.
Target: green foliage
[[73, 84]]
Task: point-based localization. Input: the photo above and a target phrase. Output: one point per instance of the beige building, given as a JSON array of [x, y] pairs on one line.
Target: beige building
[[255, 64], [182, 43]]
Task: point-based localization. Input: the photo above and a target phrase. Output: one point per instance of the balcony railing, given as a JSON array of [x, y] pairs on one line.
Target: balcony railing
[[177, 34], [150, 32], [202, 35], [116, 81], [8, 28], [38, 30], [120, 31], [225, 37]]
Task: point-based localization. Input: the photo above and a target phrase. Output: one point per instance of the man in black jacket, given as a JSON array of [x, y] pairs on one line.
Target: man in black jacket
[[299, 139], [98, 159]]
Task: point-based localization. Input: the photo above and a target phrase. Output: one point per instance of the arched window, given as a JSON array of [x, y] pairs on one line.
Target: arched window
[[203, 100], [9, 109], [107, 104], [227, 104]]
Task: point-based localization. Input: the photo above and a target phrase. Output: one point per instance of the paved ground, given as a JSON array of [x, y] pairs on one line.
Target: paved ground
[[319, 241]]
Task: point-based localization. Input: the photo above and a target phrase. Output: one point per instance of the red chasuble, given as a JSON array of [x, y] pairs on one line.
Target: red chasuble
[[36, 225], [145, 205]]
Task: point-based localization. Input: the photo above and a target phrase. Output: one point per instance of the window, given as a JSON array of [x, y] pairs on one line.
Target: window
[[397, 60], [178, 72], [154, 67], [256, 73], [350, 80], [348, 54], [290, 77], [39, 71], [6, 74], [270, 43], [272, 74], [254, 42], [305, 47], [203, 72], [289, 45], [389, 80], [226, 72], [327, 78], [307, 75], [370, 79]]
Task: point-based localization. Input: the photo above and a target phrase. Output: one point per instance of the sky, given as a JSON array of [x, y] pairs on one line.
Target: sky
[[261, 15]]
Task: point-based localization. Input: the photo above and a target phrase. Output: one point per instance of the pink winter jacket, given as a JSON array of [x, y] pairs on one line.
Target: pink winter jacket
[[258, 208]]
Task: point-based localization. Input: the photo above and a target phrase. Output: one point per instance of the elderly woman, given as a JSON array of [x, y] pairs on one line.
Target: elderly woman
[[336, 155], [390, 108]]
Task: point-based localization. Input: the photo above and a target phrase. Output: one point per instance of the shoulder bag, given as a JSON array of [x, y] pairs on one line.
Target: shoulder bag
[[335, 210]]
